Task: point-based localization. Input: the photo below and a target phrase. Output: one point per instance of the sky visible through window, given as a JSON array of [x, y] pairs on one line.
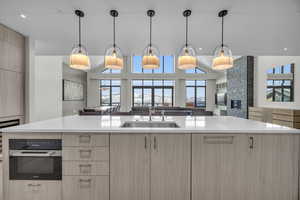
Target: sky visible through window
[[166, 65]]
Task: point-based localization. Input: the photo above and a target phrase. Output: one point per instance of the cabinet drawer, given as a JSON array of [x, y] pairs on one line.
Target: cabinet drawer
[[283, 111], [85, 187], [84, 139], [31, 190], [288, 118], [85, 153], [85, 168], [283, 123]]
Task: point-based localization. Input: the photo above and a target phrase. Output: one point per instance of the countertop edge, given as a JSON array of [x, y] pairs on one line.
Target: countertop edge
[[154, 131]]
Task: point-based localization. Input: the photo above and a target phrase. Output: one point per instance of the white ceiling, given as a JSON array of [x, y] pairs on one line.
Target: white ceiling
[[253, 27]]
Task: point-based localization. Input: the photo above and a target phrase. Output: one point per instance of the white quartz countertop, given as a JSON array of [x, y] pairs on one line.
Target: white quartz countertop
[[111, 124]]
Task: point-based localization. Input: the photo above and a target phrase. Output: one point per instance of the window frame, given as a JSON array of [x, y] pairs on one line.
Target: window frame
[[281, 87], [195, 86], [110, 86], [152, 87]]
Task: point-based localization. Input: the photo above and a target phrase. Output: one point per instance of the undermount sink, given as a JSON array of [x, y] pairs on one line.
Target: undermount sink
[[149, 124]]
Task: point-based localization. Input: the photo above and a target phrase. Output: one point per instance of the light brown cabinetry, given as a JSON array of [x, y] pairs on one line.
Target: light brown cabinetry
[[170, 167], [272, 166], [85, 166], [218, 167], [255, 167], [155, 167], [34, 190], [85, 188], [12, 68], [129, 167], [282, 117], [11, 93]]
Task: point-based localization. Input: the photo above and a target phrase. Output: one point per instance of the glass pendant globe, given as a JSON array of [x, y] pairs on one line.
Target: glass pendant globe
[[187, 58], [113, 58], [150, 57], [222, 58], [79, 58]]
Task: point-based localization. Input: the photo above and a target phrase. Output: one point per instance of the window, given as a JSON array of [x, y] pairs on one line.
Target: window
[[196, 70], [110, 92], [166, 65], [285, 69], [195, 93], [152, 92], [280, 85], [280, 90]]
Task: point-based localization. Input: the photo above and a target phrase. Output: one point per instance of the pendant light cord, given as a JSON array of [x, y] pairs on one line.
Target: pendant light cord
[[186, 31], [222, 45], [150, 31], [114, 31], [79, 35]]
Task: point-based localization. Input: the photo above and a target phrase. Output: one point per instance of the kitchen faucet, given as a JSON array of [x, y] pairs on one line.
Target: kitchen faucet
[[151, 111], [163, 115]]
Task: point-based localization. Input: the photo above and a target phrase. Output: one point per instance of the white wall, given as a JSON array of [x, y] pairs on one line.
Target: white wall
[[263, 63], [47, 88]]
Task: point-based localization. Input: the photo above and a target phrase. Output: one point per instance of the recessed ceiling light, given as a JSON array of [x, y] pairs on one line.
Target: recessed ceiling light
[[200, 48], [285, 49], [23, 16]]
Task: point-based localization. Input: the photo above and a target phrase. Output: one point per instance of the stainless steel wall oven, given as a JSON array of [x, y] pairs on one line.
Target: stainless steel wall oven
[[35, 159]]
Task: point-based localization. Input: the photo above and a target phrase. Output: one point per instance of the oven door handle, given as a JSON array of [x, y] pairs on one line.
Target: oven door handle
[[20, 153]]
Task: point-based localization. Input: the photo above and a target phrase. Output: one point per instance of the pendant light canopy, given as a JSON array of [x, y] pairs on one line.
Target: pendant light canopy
[[222, 55], [113, 55], [187, 54], [79, 58], [151, 53]]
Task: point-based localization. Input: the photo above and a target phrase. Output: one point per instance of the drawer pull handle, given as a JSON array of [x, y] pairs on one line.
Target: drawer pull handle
[[218, 139], [34, 185], [85, 183], [251, 145], [86, 139], [85, 153], [155, 143], [85, 169]]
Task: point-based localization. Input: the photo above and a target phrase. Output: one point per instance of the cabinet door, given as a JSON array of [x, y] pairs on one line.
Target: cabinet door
[[273, 167], [11, 93], [218, 167], [129, 165], [85, 187], [170, 167]]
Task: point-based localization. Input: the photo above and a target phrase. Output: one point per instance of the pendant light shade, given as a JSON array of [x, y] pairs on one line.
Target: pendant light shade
[[79, 58], [222, 55], [113, 55], [151, 53], [187, 55]]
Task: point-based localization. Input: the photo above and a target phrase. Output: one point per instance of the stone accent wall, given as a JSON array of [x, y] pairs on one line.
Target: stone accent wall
[[240, 86]]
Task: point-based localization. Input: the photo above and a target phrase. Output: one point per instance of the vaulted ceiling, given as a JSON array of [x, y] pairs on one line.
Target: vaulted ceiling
[[253, 27]]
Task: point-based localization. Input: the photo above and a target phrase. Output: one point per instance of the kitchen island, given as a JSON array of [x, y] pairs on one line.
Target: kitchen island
[[208, 158]]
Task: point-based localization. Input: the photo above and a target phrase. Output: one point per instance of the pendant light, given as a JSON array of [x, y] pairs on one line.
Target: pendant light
[[187, 54], [151, 53], [79, 58], [222, 56], [113, 55]]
